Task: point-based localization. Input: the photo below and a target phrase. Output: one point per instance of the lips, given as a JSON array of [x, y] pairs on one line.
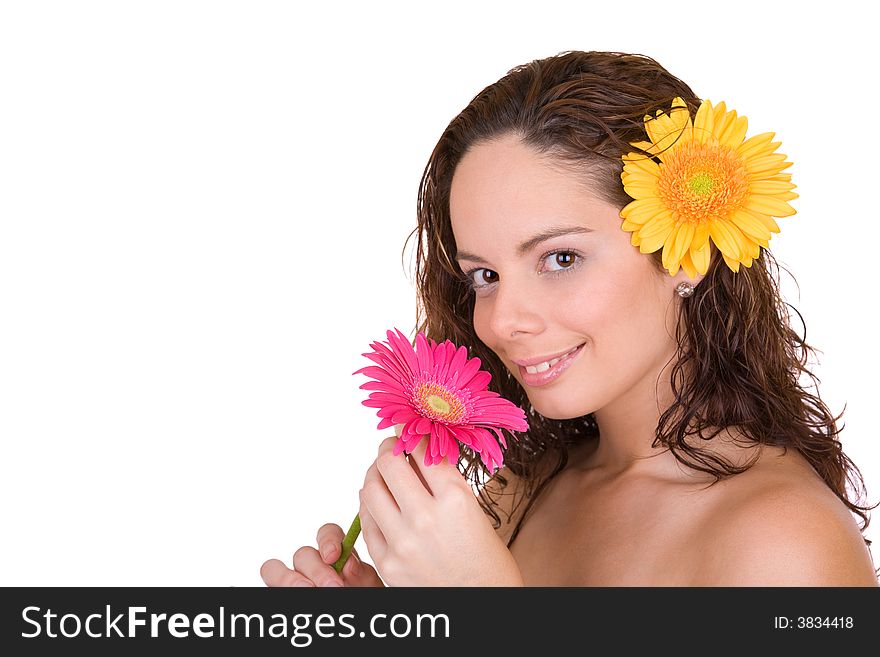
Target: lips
[[543, 359], [543, 372]]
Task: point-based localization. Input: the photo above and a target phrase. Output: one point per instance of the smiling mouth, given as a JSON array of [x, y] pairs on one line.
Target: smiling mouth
[[543, 373], [546, 365]]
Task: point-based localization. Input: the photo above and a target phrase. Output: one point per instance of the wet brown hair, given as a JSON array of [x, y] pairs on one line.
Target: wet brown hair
[[748, 368]]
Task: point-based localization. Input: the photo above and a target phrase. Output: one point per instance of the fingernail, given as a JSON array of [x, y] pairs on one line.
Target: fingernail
[[325, 551]]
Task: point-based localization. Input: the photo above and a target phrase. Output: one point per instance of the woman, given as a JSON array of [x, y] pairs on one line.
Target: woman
[[671, 442]]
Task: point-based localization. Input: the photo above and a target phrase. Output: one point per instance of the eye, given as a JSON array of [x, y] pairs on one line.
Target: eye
[[560, 260], [481, 277], [554, 262]]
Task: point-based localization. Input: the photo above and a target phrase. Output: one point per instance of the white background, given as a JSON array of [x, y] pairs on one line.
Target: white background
[[203, 207]]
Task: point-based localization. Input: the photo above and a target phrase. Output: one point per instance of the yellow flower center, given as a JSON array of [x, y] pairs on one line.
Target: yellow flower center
[[701, 182], [436, 402], [439, 404]]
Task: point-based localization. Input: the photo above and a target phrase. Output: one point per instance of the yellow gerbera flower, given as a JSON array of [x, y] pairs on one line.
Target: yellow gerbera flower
[[710, 186]]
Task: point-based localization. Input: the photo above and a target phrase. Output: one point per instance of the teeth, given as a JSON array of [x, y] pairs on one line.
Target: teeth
[[543, 367]]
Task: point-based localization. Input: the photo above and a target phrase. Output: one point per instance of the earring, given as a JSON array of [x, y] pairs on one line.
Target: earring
[[684, 289]]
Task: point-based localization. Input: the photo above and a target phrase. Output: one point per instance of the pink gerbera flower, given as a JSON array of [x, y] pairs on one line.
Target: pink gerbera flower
[[434, 390]]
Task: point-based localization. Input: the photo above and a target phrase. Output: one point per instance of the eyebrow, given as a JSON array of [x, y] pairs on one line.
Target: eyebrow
[[530, 243]]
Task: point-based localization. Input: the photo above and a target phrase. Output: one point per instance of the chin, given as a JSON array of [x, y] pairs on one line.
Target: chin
[[556, 411]]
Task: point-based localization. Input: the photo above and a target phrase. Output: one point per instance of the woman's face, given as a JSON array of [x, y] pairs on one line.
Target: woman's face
[[557, 278]]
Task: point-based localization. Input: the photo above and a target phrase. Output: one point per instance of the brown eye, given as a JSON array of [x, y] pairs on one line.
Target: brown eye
[[483, 277], [564, 259], [559, 261]]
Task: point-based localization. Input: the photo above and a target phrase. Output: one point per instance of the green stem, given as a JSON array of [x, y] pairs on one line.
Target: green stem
[[348, 543]]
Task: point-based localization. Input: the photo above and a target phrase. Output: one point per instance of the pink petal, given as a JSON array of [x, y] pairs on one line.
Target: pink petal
[[384, 424], [423, 353], [393, 367], [464, 435], [464, 376], [459, 360], [435, 441], [383, 387], [441, 361], [423, 425], [392, 397], [405, 349], [493, 450], [392, 358], [391, 409], [410, 427], [478, 381], [411, 440], [500, 435], [405, 415], [380, 374]]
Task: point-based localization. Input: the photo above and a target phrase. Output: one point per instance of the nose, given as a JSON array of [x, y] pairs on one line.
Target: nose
[[515, 310]]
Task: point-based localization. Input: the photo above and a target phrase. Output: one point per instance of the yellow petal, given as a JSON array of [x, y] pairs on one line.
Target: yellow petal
[[769, 205], [665, 130], [761, 162], [660, 224], [754, 252], [630, 175], [680, 244], [749, 225], [642, 206], [646, 146], [770, 186], [735, 132], [672, 266], [726, 237], [636, 162], [650, 242], [700, 257], [701, 236], [768, 170], [688, 266], [769, 222], [703, 123], [732, 263], [755, 145], [641, 189]]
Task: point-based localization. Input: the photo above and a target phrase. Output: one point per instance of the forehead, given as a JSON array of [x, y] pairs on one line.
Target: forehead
[[505, 189]]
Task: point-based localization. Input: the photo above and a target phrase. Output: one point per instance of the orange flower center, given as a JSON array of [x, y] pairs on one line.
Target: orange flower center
[[703, 181], [436, 402]]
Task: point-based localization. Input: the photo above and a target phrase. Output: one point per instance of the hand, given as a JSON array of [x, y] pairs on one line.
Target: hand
[[424, 526], [313, 567]]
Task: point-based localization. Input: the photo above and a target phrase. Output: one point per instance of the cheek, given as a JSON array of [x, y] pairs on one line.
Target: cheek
[[481, 323], [623, 310]]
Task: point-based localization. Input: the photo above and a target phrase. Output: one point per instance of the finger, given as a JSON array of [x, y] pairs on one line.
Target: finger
[[376, 542], [360, 574], [307, 560], [439, 475], [275, 573], [380, 503], [402, 481], [329, 539]]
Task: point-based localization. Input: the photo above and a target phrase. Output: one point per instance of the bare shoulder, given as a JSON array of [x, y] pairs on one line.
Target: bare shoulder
[[778, 524]]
